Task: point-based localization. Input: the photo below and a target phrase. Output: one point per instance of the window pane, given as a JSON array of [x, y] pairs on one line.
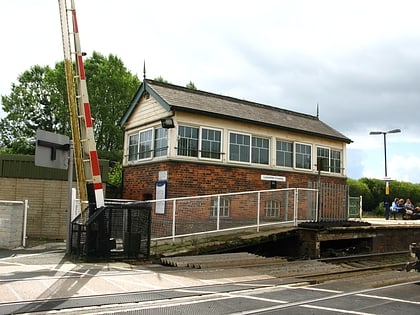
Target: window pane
[[133, 147], [223, 208], [161, 142], [239, 147], [211, 143], [187, 141], [260, 150], [303, 156], [284, 153], [335, 161], [323, 157], [145, 147], [272, 208]]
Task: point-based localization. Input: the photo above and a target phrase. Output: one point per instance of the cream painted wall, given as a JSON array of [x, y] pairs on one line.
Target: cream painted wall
[[149, 111]]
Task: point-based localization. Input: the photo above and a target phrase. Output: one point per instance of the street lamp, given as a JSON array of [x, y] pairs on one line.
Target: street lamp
[[386, 170]]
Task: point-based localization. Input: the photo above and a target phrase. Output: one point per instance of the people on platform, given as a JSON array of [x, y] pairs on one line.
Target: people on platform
[[397, 207], [406, 208]]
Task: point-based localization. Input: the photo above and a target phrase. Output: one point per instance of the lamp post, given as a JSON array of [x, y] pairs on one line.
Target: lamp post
[[386, 170]]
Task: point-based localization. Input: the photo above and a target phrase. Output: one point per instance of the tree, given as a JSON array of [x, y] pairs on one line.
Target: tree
[[359, 188], [39, 101], [191, 85], [111, 87], [36, 102], [161, 79]]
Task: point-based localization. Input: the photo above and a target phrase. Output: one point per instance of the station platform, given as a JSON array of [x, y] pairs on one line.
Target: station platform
[[383, 221]]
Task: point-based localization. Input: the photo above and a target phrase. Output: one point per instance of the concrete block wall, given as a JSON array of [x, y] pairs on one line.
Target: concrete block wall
[[11, 224], [47, 199]]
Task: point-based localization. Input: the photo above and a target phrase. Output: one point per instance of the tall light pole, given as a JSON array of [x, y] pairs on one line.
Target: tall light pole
[[386, 170]]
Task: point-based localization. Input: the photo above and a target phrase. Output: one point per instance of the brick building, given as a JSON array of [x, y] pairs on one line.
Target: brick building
[[193, 142]]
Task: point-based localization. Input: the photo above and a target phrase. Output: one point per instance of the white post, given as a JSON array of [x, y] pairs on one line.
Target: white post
[[295, 207], [25, 219], [258, 211], [70, 198], [173, 219], [218, 213]]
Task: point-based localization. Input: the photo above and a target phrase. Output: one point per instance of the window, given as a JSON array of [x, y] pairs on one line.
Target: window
[[211, 143], [323, 158], [239, 147], [272, 208], [161, 142], [148, 143], [331, 160], [145, 144], [335, 161], [260, 150], [243, 148], [303, 156], [133, 147], [187, 141], [284, 153], [223, 208]]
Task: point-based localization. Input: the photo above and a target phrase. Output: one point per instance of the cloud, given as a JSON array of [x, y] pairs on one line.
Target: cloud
[[358, 60]]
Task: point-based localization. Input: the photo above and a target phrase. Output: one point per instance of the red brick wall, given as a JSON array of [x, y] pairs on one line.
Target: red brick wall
[[193, 179]]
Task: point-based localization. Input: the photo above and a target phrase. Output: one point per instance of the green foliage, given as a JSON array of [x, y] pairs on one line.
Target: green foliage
[[373, 192], [39, 101], [115, 175], [111, 87], [161, 79], [35, 102], [359, 188], [191, 85]]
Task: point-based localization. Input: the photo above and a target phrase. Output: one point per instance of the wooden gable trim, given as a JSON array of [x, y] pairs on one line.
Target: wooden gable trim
[[144, 88]]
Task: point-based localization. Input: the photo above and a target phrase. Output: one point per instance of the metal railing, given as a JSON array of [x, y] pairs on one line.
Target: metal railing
[[186, 216]]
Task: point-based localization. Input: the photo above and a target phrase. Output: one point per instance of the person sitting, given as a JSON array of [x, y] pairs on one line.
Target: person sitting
[[398, 207], [394, 205], [412, 213]]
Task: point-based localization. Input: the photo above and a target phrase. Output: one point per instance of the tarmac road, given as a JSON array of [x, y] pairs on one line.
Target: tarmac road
[[41, 279]]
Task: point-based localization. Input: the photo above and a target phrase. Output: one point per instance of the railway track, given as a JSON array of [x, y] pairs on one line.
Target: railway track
[[312, 270]]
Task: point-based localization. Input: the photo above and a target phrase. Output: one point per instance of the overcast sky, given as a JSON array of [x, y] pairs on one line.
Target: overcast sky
[[358, 60]]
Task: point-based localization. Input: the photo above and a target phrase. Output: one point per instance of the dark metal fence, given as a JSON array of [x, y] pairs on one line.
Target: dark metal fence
[[117, 230]]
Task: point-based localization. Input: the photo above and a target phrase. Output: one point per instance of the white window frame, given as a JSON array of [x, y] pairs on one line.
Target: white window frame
[[224, 207], [249, 149], [296, 153], [129, 146], [260, 149], [333, 161], [154, 143], [272, 208], [328, 157], [151, 150], [200, 144], [284, 152]]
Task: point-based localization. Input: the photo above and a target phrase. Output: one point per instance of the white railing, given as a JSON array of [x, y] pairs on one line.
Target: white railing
[[186, 216]]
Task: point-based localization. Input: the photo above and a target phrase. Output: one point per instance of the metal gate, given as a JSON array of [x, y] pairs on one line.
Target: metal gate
[[117, 230]]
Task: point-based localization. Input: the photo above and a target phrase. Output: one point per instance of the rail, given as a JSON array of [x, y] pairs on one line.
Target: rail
[[188, 216]]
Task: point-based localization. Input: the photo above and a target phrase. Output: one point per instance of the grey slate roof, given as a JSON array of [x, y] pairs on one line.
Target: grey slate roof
[[179, 98]]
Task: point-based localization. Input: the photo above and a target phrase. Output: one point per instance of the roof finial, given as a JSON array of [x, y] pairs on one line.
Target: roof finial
[[317, 110], [144, 69]]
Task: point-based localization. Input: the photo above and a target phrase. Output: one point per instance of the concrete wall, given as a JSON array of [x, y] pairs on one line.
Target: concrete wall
[[47, 199], [11, 224]]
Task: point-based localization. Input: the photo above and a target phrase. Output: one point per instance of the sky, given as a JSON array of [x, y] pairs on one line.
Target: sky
[[357, 61]]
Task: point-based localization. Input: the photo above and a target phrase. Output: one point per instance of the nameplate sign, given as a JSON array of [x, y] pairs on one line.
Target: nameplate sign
[[273, 178]]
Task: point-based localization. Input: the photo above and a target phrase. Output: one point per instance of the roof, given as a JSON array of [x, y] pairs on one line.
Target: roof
[[178, 98]]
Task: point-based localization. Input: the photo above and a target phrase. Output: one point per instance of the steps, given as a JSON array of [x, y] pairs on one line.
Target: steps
[[219, 260]]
